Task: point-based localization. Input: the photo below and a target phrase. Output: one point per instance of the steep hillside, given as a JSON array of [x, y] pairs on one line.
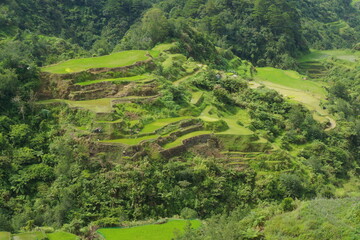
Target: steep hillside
[[120, 117]]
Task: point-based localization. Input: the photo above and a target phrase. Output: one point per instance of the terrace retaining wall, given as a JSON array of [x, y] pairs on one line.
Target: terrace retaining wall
[[187, 143]]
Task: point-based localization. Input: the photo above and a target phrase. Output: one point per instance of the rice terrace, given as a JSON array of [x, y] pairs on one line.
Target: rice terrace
[[179, 120]]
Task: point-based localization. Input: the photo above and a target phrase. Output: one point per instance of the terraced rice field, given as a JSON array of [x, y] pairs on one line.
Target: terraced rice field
[[61, 236], [163, 47], [124, 79], [102, 105], [292, 85], [179, 140], [159, 123], [231, 120], [130, 141], [148, 232], [38, 235], [29, 236], [119, 59], [289, 79]]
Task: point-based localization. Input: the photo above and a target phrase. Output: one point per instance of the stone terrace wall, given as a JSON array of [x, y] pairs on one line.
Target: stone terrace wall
[[187, 143]]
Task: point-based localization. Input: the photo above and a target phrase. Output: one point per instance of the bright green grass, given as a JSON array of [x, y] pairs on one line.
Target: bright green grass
[[159, 123], [29, 236], [5, 236], [317, 55], [102, 105], [351, 188], [125, 79], [196, 96], [119, 59], [330, 219], [235, 128], [164, 47], [183, 79], [148, 232], [111, 122], [291, 85], [171, 59], [179, 140], [288, 78], [130, 141], [231, 120], [61, 236]]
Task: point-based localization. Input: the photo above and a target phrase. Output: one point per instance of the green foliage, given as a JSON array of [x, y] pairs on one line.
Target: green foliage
[[54, 172], [153, 231], [153, 28], [216, 126], [317, 219], [188, 213]]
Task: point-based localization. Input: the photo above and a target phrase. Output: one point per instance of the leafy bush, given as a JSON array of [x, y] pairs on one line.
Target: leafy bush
[[188, 213]]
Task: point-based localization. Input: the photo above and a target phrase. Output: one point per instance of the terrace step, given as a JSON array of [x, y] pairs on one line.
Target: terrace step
[[134, 99], [314, 69], [91, 94]]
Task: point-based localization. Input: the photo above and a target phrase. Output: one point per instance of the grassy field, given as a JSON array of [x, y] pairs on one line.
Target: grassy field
[[231, 120], [317, 55], [159, 123], [29, 236], [179, 140], [290, 84], [196, 97], [125, 79], [119, 59], [61, 236], [102, 105], [5, 236], [163, 47], [330, 219], [148, 232], [290, 79]]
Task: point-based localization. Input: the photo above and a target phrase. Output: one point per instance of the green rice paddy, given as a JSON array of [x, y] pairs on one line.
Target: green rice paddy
[[290, 79], [148, 232], [317, 55], [124, 79], [38, 235], [61, 236], [157, 124], [292, 85], [119, 59], [102, 105], [179, 140], [164, 47], [29, 236], [231, 120]]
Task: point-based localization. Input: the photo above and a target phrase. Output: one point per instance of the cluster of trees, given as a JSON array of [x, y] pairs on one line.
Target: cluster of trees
[[48, 174], [265, 32]]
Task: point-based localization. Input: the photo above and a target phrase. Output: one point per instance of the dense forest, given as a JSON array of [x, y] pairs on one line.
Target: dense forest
[[243, 114]]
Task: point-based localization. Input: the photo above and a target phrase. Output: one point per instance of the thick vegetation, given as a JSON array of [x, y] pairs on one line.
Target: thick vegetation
[[113, 112]]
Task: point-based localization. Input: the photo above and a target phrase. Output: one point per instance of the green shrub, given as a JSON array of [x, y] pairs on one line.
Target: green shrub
[[288, 204], [107, 222], [217, 126], [188, 213]]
